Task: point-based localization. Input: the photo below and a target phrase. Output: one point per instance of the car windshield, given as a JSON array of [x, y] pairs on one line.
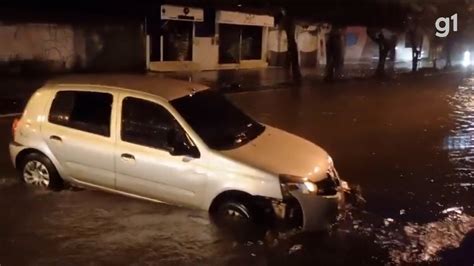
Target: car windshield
[[216, 120]]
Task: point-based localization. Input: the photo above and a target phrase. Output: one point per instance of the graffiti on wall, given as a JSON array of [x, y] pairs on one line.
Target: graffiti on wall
[[26, 44], [58, 45], [41, 47]]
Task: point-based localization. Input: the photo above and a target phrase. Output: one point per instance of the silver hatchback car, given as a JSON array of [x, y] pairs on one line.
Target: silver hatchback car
[[174, 142]]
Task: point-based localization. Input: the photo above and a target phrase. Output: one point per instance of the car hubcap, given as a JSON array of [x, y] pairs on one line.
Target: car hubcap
[[236, 212], [36, 173]]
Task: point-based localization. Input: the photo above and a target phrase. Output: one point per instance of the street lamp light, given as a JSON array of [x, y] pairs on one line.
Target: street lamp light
[[466, 59]]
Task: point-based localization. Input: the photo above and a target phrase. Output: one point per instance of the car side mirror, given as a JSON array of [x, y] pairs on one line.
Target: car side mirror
[[180, 145]]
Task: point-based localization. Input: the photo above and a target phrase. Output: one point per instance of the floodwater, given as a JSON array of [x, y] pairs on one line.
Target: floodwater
[[406, 146]]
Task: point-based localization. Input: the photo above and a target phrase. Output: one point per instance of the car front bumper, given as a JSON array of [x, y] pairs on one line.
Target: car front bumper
[[319, 212]]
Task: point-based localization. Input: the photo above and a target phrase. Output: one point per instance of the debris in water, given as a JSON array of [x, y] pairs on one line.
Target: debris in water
[[402, 212], [424, 242], [457, 210], [388, 221], [295, 248], [467, 185]]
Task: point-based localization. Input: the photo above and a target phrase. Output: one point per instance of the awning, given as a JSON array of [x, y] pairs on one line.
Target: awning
[[241, 18]]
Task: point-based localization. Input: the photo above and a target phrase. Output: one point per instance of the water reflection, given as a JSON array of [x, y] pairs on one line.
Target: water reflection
[[436, 241], [460, 144]]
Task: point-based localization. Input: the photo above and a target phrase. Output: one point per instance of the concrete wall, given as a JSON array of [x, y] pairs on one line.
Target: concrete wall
[[404, 53], [41, 47], [359, 47], [206, 52], [277, 47]]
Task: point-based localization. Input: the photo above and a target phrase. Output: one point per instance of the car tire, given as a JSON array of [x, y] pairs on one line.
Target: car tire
[[236, 211], [38, 170]]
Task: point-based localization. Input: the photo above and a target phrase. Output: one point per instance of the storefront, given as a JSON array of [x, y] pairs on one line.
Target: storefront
[[193, 39], [170, 39], [242, 39]]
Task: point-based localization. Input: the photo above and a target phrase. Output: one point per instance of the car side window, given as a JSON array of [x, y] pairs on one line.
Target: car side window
[[83, 110], [146, 123]]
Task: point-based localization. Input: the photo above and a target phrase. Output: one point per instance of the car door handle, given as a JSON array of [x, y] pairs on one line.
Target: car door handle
[[127, 157], [54, 137]]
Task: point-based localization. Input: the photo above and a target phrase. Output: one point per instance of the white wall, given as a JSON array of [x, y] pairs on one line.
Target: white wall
[[277, 41], [206, 52], [405, 53], [305, 40]]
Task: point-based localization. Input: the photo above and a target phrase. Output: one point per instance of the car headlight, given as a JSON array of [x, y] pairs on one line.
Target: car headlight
[[310, 186], [290, 182], [325, 187]]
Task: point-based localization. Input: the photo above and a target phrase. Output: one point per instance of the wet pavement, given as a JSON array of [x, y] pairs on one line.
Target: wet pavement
[[406, 144], [16, 89]]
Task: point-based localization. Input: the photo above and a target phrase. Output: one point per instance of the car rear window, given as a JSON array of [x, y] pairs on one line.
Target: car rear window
[[82, 110]]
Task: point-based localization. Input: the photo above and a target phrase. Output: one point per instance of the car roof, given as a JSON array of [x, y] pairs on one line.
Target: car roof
[[169, 89]]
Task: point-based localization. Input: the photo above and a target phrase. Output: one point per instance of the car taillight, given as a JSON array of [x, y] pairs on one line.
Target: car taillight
[[15, 126]]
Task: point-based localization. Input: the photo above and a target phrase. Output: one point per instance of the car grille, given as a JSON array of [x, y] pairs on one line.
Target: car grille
[[328, 186]]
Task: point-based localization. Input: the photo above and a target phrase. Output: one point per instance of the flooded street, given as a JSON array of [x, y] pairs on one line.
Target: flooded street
[[406, 147]]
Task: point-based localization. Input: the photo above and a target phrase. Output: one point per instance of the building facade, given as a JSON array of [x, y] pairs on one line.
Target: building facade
[[310, 41], [360, 48], [188, 39]]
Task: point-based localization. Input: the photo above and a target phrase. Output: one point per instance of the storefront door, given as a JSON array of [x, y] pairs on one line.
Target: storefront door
[[229, 44], [237, 42]]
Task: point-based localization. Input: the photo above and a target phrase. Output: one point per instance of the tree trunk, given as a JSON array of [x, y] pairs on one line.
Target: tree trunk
[[416, 46], [383, 51], [330, 62], [292, 49], [414, 53], [339, 56], [448, 53], [334, 57]]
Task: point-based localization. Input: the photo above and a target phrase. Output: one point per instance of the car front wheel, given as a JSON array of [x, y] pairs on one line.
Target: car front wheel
[[235, 212]]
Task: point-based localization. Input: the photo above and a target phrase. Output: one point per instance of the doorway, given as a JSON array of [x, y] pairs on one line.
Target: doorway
[[237, 42]]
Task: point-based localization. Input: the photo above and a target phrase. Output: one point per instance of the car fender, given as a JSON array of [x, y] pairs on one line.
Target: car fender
[[255, 186]]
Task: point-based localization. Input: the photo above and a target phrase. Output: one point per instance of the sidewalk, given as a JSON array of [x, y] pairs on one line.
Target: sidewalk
[[15, 90], [235, 80], [277, 77]]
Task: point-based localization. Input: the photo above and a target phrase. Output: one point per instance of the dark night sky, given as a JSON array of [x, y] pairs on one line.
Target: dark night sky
[[344, 12]]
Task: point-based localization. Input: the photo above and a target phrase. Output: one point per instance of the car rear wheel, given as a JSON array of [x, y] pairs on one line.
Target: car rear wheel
[[37, 170]]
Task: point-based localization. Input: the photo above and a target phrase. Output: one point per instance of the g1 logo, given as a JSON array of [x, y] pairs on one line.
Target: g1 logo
[[443, 25]]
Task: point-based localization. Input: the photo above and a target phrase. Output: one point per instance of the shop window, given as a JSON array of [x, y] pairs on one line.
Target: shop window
[[177, 40], [229, 43], [251, 46], [238, 42]]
